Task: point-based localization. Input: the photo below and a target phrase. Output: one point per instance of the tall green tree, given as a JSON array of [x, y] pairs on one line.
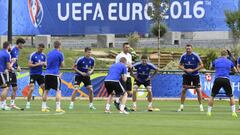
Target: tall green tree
[[157, 13]]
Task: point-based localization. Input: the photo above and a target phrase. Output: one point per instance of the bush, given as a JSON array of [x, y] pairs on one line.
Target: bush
[[163, 30], [210, 57]]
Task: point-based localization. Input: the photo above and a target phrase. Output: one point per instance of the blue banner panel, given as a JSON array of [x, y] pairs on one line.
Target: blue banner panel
[[199, 15], [74, 17], [163, 86], [64, 17]]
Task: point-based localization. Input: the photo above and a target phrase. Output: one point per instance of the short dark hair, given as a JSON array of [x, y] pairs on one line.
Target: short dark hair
[[6, 44], [188, 45], [144, 57], [125, 43], [87, 49], [20, 40], [41, 45], [56, 44]]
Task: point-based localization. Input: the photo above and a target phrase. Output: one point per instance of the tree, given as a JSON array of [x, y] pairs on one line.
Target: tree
[[157, 13], [233, 22]]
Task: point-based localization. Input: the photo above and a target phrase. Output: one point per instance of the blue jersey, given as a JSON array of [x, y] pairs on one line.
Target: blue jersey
[[14, 54], [223, 67], [115, 72], [54, 60], [34, 58], [190, 61], [238, 61], [143, 71], [4, 59], [84, 64]]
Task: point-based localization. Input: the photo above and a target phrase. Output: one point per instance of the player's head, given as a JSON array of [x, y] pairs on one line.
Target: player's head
[[224, 53], [57, 45], [41, 47], [20, 42], [126, 47], [189, 48], [144, 59], [123, 60], [88, 51], [6, 45]]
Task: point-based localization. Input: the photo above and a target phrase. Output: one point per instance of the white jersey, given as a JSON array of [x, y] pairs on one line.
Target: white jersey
[[128, 56]]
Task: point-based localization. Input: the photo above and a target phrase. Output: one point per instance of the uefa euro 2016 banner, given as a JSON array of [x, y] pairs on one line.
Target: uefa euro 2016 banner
[[72, 17], [163, 86]]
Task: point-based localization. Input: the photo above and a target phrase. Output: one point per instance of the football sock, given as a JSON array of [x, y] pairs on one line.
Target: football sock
[[233, 108], [58, 105], [134, 104], [12, 102], [44, 105], [209, 108], [108, 106], [122, 107], [150, 104]]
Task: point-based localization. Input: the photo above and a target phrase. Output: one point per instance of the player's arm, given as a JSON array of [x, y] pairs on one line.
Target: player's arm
[[124, 74], [74, 67], [132, 74], [92, 69], [200, 66], [124, 77], [234, 69], [155, 72]]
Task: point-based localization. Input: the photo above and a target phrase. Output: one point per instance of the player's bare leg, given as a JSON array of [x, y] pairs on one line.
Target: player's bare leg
[[58, 101], [4, 98], [199, 93], [108, 104], [73, 97], [183, 97], [44, 101], [29, 96], [123, 100], [149, 97], [90, 90], [210, 105], [232, 104], [134, 98], [13, 97]]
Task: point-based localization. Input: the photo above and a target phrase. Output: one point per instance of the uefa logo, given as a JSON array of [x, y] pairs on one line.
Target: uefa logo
[[36, 12]]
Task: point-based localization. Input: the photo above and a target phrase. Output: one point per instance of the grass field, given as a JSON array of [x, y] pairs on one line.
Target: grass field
[[83, 121]]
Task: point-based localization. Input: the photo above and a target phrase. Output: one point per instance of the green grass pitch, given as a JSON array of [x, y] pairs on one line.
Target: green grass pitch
[[82, 121]]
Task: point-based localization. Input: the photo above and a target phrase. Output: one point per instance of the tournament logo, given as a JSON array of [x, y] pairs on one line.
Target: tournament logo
[[35, 11]]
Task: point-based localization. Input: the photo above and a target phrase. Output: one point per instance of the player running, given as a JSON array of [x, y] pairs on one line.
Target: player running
[[83, 67]]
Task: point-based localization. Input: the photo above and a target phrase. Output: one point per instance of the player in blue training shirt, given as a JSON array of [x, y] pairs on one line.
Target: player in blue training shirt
[[55, 60], [115, 83], [5, 65], [84, 67], [15, 51], [143, 77], [222, 66], [36, 62], [190, 63]]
